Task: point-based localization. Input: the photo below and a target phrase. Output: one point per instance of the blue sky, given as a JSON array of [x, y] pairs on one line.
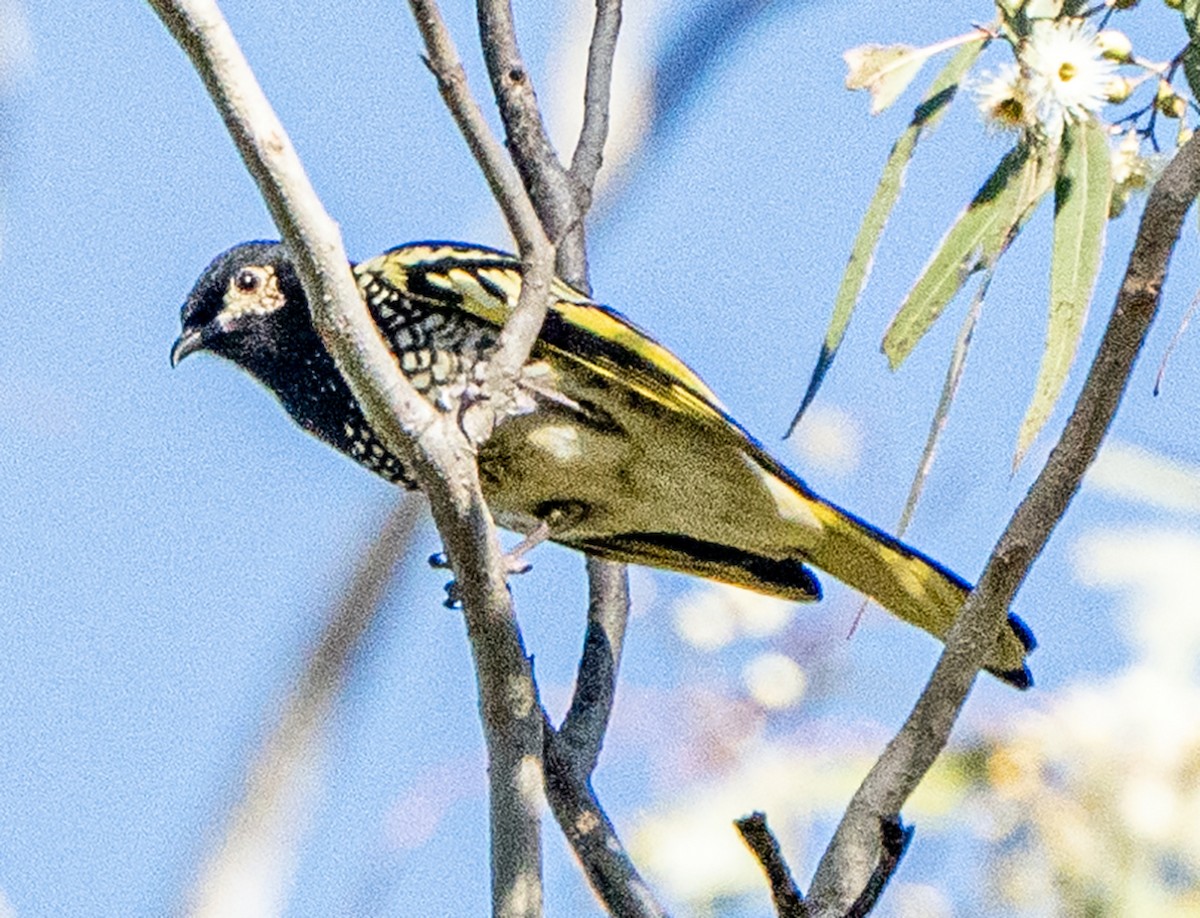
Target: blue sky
[[169, 539]]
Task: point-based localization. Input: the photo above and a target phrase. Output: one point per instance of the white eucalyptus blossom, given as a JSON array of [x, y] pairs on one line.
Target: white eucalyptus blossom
[[1066, 76]]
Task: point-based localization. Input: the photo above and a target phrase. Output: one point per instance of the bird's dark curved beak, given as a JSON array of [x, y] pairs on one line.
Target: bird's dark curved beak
[[187, 343]]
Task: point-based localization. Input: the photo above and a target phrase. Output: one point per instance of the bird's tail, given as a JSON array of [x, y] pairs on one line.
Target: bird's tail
[[906, 582], [901, 579]]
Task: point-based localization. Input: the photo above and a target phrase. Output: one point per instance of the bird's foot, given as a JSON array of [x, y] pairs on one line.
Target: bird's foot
[[513, 562]]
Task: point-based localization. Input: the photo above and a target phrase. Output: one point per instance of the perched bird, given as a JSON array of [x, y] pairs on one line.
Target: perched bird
[[619, 449]]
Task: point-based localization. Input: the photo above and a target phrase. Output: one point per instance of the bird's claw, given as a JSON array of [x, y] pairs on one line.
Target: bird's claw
[[513, 562]]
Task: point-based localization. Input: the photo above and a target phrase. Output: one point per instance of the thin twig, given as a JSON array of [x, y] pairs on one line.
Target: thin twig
[[584, 728], [587, 719], [855, 851], [589, 151], [954, 374], [789, 903], [537, 254], [586, 723], [548, 183], [440, 454], [1175, 339], [561, 201], [608, 867], [444, 63], [252, 865]]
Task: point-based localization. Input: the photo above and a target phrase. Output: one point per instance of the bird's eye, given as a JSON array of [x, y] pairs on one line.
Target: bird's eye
[[246, 280]]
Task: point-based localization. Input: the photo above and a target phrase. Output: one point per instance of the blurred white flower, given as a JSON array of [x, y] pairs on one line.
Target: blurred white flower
[[1160, 570], [711, 617], [774, 681], [828, 439], [1104, 770], [704, 620], [1136, 474], [1066, 75], [759, 616], [689, 847], [919, 900]]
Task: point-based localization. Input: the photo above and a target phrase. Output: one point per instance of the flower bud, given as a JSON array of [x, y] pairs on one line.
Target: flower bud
[[1169, 102], [1114, 45], [1117, 90]]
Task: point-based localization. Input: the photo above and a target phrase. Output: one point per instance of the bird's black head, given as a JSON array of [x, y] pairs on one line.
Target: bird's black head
[[246, 306], [249, 307]]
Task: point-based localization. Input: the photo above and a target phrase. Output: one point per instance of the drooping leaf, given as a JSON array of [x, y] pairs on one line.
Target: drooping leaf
[[883, 70], [926, 116], [1081, 201], [978, 237]]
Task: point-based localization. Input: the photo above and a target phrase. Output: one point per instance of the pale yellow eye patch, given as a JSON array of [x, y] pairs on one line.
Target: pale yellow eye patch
[[253, 290]]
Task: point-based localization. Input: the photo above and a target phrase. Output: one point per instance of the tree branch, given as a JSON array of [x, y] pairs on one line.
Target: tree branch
[[855, 851], [569, 794], [537, 254], [587, 719], [592, 835], [440, 454], [761, 841], [568, 790], [894, 837], [589, 151], [586, 722], [548, 183]]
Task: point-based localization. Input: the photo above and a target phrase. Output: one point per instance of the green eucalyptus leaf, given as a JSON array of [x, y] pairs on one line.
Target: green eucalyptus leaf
[[926, 116], [1081, 202], [976, 240]]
